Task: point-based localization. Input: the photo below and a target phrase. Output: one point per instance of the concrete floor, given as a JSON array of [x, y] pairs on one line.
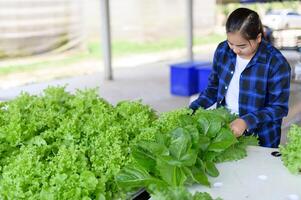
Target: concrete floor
[[150, 83]]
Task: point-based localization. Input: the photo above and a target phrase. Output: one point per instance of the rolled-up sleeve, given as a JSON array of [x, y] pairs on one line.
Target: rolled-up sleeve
[[208, 97]]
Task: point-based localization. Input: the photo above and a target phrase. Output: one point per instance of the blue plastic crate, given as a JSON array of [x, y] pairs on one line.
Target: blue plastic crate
[[184, 78], [203, 72]]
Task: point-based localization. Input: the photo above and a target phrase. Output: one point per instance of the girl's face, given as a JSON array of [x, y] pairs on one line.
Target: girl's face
[[243, 48]]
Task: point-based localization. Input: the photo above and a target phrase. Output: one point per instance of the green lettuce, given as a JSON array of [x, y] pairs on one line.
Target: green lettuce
[[291, 152]]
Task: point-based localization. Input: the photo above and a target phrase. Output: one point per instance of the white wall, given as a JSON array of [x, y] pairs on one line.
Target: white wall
[[149, 19]]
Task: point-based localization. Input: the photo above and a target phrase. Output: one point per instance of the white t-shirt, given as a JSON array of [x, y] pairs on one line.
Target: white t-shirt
[[233, 88]]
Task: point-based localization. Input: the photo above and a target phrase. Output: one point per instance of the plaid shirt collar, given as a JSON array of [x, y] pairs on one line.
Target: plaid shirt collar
[[259, 57]]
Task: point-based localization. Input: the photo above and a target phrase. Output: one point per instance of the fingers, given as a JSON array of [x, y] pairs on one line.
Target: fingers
[[236, 131], [238, 127]]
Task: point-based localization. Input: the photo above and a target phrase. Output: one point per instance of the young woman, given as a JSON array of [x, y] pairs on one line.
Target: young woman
[[251, 78]]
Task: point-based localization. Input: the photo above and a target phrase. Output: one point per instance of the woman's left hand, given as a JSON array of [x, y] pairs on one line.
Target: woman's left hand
[[238, 126]]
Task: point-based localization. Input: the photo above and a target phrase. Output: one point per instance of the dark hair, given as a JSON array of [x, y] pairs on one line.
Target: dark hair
[[245, 21]]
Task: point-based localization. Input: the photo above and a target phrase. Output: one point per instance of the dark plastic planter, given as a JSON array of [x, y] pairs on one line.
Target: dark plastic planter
[[141, 195]]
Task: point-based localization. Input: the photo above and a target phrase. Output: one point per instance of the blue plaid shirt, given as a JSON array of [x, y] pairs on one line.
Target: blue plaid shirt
[[263, 90]]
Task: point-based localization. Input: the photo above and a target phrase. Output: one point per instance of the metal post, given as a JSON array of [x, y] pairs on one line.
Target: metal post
[[106, 38], [190, 30]]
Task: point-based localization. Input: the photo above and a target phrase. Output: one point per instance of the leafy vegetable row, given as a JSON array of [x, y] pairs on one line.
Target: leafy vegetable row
[[291, 153], [184, 151], [71, 146], [67, 146]]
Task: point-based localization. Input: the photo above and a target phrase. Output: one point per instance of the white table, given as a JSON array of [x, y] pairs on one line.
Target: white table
[[259, 176]]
